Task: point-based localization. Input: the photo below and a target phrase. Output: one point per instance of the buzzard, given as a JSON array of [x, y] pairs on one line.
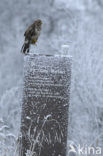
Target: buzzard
[[31, 35]]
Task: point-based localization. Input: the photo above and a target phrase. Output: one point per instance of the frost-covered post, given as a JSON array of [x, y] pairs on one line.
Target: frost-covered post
[[44, 120]]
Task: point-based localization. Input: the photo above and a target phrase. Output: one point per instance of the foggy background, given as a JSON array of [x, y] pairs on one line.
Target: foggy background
[[77, 24]]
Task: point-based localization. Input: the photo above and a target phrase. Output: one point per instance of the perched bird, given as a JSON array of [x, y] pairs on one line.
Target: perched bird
[[31, 35]]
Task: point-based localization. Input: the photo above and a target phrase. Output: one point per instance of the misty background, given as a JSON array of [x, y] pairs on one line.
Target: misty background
[[75, 24]]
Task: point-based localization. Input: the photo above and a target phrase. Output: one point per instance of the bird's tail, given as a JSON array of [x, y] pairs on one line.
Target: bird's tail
[[25, 47]]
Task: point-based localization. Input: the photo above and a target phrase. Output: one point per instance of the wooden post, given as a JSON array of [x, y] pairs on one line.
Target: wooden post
[[44, 120]]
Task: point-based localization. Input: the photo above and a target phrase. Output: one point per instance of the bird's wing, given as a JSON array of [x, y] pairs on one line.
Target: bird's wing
[[30, 31]]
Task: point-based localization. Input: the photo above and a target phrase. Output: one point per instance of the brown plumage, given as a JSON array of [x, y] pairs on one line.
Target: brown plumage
[[31, 35]]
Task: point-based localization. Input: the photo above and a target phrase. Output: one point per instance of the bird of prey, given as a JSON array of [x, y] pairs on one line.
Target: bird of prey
[[31, 35]]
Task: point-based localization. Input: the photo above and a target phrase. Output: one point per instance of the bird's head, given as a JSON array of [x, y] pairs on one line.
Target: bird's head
[[38, 24]]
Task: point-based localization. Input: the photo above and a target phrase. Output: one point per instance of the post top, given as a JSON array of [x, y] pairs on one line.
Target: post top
[[47, 55]]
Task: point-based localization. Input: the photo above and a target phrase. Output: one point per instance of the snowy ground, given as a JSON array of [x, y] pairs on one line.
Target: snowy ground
[[76, 24]]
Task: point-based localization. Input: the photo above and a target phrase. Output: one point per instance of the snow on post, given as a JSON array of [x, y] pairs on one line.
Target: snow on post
[[46, 93]]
